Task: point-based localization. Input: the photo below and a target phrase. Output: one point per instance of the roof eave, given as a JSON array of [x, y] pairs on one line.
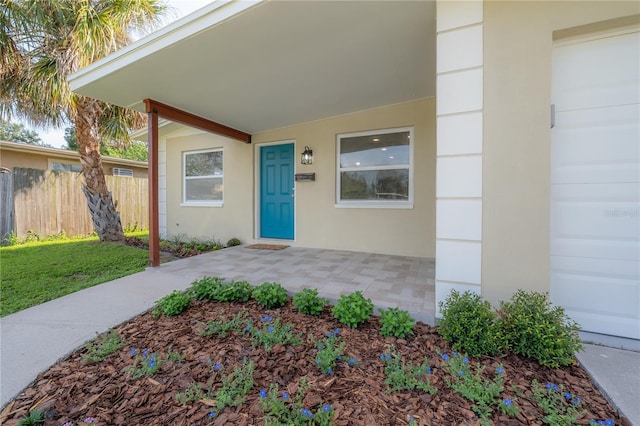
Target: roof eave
[[188, 26]]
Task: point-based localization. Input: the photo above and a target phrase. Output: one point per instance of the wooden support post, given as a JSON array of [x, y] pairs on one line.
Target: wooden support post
[[157, 109], [154, 226]]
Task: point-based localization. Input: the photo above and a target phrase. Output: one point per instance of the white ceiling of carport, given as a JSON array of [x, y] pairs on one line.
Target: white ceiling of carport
[[276, 63]]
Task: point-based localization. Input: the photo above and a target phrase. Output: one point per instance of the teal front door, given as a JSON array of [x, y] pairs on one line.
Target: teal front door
[[276, 191]]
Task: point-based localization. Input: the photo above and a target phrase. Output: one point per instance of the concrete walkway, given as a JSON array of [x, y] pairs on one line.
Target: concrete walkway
[[34, 339], [617, 374]]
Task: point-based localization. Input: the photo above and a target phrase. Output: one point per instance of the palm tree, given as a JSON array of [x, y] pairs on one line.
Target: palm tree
[[44, 41]]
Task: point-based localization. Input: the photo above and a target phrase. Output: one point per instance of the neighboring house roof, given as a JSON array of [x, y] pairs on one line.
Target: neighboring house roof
[[64, 153], [261, 65]]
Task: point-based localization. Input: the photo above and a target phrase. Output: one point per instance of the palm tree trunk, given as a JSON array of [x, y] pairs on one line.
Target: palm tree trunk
[[106, 219]]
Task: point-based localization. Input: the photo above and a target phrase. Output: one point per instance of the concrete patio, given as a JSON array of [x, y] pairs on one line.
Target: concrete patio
[[406, 282]]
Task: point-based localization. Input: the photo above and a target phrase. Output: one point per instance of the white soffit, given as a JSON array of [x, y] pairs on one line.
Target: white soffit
[[257, 66]]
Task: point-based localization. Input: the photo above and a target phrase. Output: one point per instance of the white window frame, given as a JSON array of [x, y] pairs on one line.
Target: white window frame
[[191, 203], [375, 204]]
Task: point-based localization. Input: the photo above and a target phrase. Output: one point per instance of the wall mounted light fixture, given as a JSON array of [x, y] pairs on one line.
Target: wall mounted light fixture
[[307, 156]]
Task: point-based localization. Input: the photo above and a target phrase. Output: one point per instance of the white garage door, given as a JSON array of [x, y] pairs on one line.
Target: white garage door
[[595, 183]]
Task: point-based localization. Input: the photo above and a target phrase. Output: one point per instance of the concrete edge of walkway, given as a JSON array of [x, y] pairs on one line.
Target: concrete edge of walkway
[[616, 373]]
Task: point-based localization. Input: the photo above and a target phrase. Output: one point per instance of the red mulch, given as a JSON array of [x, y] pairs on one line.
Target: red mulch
[[72, 390]]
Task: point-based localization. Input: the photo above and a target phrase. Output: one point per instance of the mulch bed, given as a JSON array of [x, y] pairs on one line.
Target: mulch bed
[[72, 389]]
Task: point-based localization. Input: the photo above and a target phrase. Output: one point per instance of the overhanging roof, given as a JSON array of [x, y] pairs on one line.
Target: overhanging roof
[[256, 66]]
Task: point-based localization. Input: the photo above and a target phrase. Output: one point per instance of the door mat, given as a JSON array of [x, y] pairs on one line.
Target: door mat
[[267, 246]]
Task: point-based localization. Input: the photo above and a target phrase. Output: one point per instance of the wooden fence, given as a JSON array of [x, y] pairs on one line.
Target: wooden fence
[[48, 202]]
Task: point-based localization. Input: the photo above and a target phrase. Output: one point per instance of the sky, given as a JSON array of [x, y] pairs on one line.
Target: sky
[[55, 137]]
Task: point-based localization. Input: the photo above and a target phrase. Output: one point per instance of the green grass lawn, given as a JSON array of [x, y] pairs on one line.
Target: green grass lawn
[[34, 273]]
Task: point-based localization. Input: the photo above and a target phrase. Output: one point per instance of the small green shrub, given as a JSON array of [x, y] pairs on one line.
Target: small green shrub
[[471, 325], [145, 364], [353, 310], [482, 392], [235, 386], [236, 291], [223, 326], [308, 302], [559, 406], [206, 288], [270, 295], [233, 242], [329, 352], [290, 410], [105, 344], [536, 329], [271, 333], [193, 393], [35, 417], [175, 357], [172, 304], [401, 376], [396, 323]]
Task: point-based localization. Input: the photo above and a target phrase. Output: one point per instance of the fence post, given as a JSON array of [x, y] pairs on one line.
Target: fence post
[[6, 205]]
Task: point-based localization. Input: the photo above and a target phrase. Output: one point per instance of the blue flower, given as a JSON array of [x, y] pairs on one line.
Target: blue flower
[[212, 414], [329, 371], [499, 370], [320, 347], [567, 395], [326, 408], [336, 332], [217, 367], [428, 370], [248, 328], [461, 372], [381, 356], [576, 401], [556, 387], [445, 357], [454, 353], [609, 422], [549, 386], [263, 393], [507, 402], [271, 328], [466, 360], [152, 364], [387, 356], [145, 352], [339, 357], [132, 351], [352, 361], [266, 318], [285, 395], [307, 413]]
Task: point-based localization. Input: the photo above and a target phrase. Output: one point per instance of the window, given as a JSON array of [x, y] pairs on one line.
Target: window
[[65, 167], [203, 177], [375, 169]]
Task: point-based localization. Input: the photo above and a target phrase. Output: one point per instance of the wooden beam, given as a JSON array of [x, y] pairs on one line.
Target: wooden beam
[[154, 226], [186, 118]]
